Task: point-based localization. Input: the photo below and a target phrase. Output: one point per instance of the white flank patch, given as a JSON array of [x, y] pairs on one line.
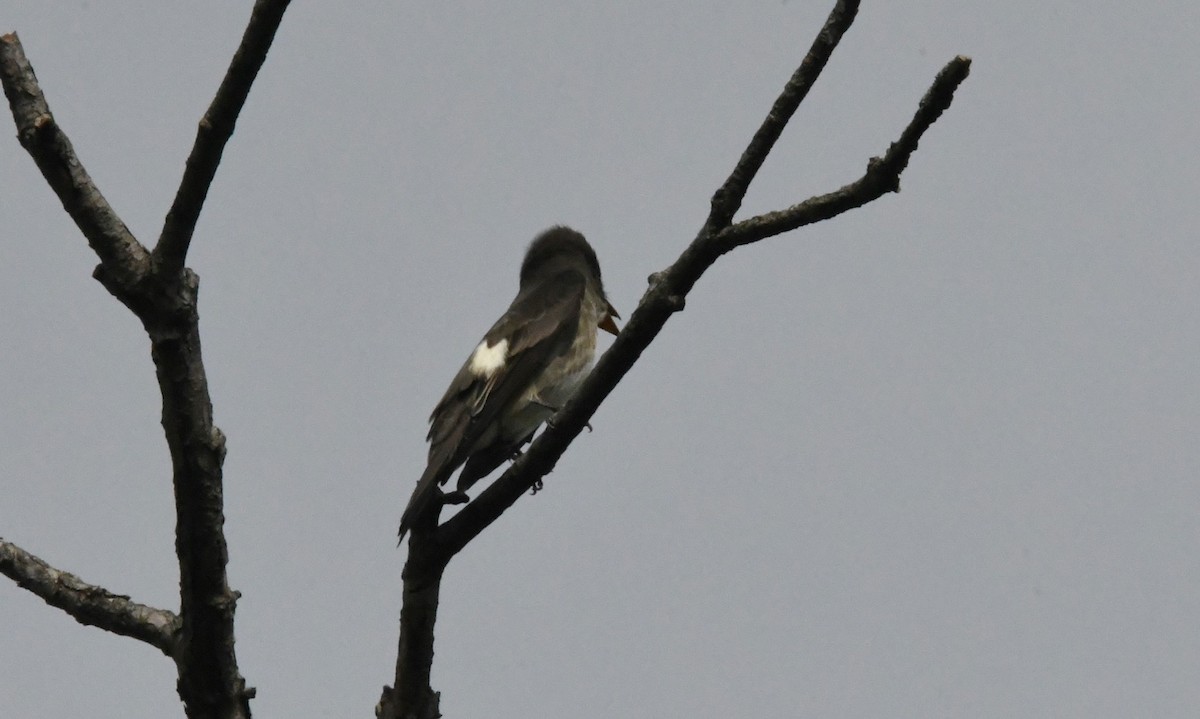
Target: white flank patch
[[486, 360]]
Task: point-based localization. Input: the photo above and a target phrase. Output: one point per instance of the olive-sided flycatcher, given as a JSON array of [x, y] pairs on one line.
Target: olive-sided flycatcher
[[523, 371]]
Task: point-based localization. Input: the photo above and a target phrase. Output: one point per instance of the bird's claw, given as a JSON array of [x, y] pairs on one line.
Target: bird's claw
[[553, 425], [537, 487], [456, 497]]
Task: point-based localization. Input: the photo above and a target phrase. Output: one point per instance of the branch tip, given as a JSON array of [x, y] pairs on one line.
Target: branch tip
[[728, 198], [90, 604], [213, 131], [55, 157]]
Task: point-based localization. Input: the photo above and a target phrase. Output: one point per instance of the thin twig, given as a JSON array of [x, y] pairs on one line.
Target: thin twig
[[90, 604], [882, 175], [216, 127], [666, 296], [728, 198]]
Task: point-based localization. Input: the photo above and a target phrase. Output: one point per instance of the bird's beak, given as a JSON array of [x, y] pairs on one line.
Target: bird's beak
[[607, 323]]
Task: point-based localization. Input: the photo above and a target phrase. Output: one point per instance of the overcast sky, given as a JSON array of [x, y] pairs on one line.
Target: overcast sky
[[935, 458]]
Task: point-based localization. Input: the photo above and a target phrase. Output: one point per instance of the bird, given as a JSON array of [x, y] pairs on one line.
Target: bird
[[523, 370]]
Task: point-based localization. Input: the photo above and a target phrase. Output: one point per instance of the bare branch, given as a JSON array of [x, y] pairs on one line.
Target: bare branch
[[418, 615], [882, 176], [431, 548], [89, 604], [216, 127], [209, 681], [163, 294], [667, 293], [41, 136], [728, 198], [165, 302]]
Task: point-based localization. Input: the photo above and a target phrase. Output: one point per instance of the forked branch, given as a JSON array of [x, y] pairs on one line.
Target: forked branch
[[162, 293], [728, 198], [882, 175], [669, 288], [432, 547]]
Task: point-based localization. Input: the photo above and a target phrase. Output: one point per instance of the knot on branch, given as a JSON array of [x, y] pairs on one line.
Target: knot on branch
[[218, 444], [659, 285], [881, 172], [38, 134], [226, 601]]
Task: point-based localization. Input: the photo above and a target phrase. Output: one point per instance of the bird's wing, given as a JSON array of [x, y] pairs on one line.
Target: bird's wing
[[538, 326]]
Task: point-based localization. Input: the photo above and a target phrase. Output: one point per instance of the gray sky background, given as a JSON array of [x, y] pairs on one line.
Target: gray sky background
[[935, 458]]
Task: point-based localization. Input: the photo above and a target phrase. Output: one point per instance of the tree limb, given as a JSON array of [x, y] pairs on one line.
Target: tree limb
[[162, 293], [728, 198], [882, 175], [669, 288], [90, 604], [42, 138], [209, 682], [216, 127], [431, 547]]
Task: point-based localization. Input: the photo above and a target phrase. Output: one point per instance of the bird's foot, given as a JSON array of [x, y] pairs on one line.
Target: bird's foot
[[537, 487], [456, 497], [552, 424]]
